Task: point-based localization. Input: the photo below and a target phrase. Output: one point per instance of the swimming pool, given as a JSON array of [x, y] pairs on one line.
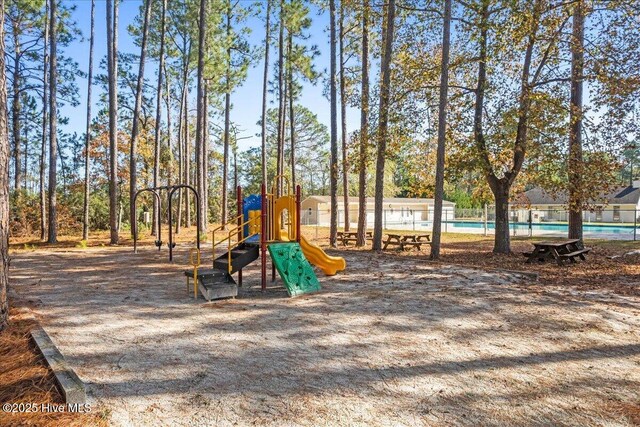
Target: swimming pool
[[524, 227]]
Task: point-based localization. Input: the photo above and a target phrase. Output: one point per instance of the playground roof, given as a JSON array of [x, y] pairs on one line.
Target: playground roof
[[404, 201]]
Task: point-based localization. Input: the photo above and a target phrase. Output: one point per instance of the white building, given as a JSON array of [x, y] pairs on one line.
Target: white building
[[399, 212], [620, 206]]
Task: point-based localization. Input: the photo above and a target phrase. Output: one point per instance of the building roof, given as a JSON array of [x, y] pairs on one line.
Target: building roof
[[386, 200], [620, 196]]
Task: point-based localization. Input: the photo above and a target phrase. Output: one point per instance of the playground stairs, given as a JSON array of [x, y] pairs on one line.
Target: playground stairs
[[241, 256], [215, 284]]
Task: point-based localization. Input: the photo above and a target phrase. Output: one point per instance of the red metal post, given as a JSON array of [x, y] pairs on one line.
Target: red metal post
[[298, 213], [240, 221], [239, 206], [263, 236]]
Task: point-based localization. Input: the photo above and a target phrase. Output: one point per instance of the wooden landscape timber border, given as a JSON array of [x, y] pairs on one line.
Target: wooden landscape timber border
[[70, 385]]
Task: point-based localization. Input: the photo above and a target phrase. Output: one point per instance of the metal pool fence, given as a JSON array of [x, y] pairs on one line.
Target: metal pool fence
[[608, 224]]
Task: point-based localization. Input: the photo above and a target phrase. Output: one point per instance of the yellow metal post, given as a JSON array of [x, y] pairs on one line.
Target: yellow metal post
[[195, 262]]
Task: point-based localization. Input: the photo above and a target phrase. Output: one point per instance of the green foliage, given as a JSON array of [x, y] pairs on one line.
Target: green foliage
[[612, 86], [312, 156], [25, 213], [462, 199], [99, 209]]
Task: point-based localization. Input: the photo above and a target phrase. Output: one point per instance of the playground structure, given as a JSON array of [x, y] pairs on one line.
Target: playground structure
[[265, 224], [268, 223]]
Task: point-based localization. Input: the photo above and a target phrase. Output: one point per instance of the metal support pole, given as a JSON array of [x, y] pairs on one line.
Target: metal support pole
[[198, 218], [240, 216], [170, 244], [446, 221], [486, 215], [159, 220], [298, 213], [263, 237], [240, 221]]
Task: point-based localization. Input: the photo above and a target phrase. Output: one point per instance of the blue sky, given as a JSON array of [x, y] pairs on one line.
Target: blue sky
[[246, 100]]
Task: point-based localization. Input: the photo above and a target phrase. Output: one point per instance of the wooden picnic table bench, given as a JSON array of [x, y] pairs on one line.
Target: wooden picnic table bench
[[352, 236], [407, 240], [560, 251]]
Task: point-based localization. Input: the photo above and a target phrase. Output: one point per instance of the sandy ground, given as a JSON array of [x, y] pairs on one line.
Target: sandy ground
[[392, 341]]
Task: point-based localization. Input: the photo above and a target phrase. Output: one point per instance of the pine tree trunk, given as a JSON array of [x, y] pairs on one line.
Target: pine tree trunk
[[281, 102], [205, 159], [187, 161], [235, 171], [17, 107], [575, 120], [181, 125], [265, 88], [283, 132], [87, 137], [292, 123], [442, 133], [112, 66], [45, 108], [225, 164], [343, 126], [53, 124], [186, 148], [201, 111], [364, 129], [385, 78], [4, 182], [333, 166], [227, 123], [135, 126], [25, 165], [156, 141], [167, 99]]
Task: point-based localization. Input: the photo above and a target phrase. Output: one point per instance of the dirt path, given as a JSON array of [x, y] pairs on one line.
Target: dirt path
[[393, 341]]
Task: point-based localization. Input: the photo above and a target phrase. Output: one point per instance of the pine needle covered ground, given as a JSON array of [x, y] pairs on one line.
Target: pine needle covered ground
[[394, 340]]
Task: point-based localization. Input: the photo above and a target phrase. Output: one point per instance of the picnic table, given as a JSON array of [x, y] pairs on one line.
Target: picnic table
[[352, 236], [560, 251], [407, 240]]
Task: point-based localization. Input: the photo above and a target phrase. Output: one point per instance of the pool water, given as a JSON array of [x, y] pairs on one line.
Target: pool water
[[523, 226]]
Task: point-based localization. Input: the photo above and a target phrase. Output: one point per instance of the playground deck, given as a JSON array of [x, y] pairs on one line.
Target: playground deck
[[392, 341]]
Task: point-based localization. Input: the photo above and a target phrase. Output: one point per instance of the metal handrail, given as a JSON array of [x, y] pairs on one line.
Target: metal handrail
[[231, 232], [220, 227], [229, 253], [230, 247]]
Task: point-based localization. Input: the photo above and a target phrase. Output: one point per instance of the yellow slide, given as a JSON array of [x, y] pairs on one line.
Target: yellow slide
[[329, 265]]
